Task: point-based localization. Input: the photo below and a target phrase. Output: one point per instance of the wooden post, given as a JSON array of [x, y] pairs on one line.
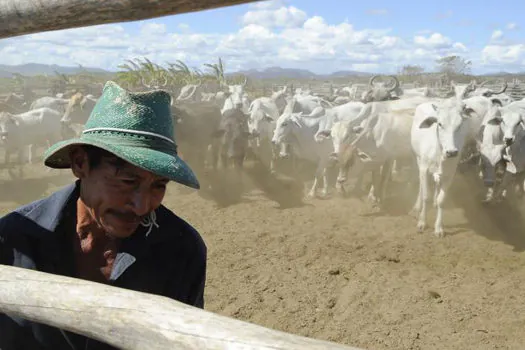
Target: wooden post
[[19, 17], [133, 320]]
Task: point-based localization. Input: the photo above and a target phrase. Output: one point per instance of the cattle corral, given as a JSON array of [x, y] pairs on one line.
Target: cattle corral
[[339, 268]]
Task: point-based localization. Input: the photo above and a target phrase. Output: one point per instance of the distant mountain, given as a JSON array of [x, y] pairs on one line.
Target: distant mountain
[[31, 69], [293, 73], [501, 74]]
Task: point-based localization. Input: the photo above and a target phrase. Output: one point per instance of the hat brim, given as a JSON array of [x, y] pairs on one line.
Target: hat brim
[[160, 163]]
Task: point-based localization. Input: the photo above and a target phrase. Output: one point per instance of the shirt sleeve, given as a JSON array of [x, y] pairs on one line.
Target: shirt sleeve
[[6, 252]]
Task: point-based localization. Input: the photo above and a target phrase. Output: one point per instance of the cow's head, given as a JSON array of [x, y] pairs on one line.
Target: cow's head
[[284, 129], [511, 124], [8, 124], [451, 123], [381, 91], [234, 93]]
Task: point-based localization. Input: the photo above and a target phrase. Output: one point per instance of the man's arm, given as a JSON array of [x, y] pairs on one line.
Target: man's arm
[[188, 279], [198, 283]]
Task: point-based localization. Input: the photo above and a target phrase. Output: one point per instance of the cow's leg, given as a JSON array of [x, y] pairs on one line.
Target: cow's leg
[[488, 175], [318, 174], [502, 188], [393, 173], [374, 193], [30, 154], [313, 189], [422, 199], [20, 162], [385, 177], [442, 183], [325, 183]]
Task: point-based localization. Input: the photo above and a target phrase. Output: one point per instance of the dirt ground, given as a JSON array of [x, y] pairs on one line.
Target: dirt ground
[[339, 270]]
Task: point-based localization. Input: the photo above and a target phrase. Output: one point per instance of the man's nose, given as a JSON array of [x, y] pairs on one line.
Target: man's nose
[[141, 203]]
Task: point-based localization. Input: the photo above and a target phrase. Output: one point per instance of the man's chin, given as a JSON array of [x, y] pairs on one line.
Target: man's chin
[[121, 230]]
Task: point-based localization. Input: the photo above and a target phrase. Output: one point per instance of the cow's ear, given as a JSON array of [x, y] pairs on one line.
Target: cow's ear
[[497, 102], [325, 133], [427, 123], [495, 121]]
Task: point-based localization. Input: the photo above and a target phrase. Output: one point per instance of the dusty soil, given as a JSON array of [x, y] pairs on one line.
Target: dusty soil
[[337, 269]]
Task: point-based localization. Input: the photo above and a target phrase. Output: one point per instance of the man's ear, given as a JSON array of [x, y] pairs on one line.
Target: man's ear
[[79, 162]]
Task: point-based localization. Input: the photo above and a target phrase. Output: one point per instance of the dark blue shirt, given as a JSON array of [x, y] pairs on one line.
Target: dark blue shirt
[[170, 261]]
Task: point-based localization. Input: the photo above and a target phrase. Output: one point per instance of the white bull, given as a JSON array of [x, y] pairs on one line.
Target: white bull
[[23, 131], [438, 135], [299, 130]]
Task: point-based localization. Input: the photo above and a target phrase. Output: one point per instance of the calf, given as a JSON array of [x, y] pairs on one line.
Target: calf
[[437, 137]]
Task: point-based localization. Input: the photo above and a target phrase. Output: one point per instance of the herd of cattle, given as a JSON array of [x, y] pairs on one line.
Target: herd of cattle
[[383, 128]]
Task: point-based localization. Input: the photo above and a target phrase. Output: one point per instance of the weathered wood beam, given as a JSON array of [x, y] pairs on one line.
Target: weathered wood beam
[[20, 17], [133, 320]]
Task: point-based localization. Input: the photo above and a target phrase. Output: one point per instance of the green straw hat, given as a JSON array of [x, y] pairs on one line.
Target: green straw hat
[[137, 127]]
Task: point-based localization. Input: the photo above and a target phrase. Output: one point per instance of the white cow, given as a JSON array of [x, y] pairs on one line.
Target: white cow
[[506, 126], [58, 104], [22, 131], [264, 111], [374, 143], [235, 98], [299, 131], [439, 133]]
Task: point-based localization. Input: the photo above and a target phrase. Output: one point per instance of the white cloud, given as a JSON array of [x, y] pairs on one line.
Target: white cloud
[[272, 33], [436, 40], [274, 14], [497, 34], [503, 54], [512, 26]]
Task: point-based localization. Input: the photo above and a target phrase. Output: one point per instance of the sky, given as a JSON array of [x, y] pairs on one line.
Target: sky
[[322, 36]]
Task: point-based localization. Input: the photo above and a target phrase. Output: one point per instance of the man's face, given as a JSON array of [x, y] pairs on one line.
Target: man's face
[[117, 195]]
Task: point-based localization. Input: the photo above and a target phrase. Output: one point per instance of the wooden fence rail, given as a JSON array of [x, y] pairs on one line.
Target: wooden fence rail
[[133, 320], [19, 17]]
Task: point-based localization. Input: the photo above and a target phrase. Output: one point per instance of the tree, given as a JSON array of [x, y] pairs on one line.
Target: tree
[[411, 70], [454, 65]]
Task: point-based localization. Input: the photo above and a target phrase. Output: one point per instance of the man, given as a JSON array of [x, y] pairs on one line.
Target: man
[[109, 226]]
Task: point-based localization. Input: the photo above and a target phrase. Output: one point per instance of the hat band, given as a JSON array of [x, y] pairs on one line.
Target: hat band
[[157, 142], [130, 131]]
